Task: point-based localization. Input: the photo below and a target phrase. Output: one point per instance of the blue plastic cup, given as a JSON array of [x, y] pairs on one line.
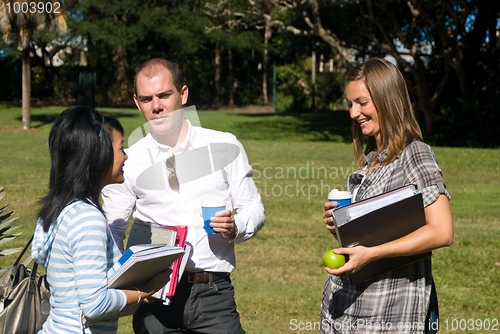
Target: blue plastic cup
[[341, 197], [208, 209]]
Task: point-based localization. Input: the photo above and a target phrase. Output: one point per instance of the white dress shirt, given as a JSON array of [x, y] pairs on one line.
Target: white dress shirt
[[148, 196]]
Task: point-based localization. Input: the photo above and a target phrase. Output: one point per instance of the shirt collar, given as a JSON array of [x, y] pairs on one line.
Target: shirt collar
[[374, 154], [156, 148]]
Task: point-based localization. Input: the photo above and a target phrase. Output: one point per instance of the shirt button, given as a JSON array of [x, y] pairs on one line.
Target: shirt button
[[362, 188], [436, 173]]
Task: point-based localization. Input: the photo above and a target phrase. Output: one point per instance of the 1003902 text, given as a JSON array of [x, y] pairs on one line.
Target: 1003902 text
[[457, 324], [33, 7]]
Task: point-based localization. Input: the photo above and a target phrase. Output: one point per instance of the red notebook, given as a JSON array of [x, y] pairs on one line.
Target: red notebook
[[169, 289], [153, 233]]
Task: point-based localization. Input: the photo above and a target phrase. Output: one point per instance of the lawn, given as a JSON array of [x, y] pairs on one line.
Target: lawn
[[297, 159]]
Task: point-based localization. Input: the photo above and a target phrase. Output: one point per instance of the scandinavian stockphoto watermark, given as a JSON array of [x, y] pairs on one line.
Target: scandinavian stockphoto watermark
[[357, 325], [454, 324], [189, 165], [306, 180]]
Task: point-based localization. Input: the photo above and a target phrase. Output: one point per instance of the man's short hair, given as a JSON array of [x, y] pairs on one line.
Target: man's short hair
[[153, 66]]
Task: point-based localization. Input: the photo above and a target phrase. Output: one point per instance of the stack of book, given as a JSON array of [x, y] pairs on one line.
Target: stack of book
[[140, 263], [137, 266], [379, 220], [152, 233]]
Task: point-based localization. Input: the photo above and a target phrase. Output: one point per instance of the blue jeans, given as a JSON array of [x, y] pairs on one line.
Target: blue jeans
[[196, 308]]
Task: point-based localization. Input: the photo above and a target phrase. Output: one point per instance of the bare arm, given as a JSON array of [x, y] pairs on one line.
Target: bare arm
[[145, 291], [438, 232]]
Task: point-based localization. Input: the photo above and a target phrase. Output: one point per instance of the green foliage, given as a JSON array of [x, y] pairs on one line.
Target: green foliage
[[64, 82], [476, 128], [329, 90], [294, 87], [295, 91], [11, 83], [120, 35], [6, 230], [39, 82], [124, 34]]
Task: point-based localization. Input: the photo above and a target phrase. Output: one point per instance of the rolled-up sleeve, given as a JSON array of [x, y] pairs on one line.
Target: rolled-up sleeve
[[246, 199], [422, 169]]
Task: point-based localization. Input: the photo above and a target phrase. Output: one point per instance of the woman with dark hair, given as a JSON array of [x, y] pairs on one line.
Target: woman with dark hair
[[72, 239], [394, 155]]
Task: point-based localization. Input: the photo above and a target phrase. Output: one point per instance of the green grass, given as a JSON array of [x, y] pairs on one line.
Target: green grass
[[279, 274]]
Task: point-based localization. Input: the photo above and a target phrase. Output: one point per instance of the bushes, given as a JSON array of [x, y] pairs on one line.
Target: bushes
[[295, 91], [477, 127], [11, 83]]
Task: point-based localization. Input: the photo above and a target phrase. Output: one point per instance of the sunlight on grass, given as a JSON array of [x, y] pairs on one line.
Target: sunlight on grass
[[279, 274]]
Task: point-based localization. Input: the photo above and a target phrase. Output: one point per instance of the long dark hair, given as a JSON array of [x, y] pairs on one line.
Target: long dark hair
[[81, 153]]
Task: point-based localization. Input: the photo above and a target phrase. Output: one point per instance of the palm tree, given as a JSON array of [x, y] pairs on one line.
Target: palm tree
[[19, 19], [6, 230]]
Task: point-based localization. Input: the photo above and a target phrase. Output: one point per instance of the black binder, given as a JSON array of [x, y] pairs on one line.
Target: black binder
[[385, 224]]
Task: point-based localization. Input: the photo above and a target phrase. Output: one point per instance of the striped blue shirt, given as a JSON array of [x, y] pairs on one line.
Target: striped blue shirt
[[77, 251]]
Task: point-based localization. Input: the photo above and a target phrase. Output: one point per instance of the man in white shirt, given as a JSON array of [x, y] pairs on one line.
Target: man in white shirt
[[191, 170]]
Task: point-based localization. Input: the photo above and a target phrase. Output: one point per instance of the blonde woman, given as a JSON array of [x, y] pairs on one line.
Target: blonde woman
[[390, 153]]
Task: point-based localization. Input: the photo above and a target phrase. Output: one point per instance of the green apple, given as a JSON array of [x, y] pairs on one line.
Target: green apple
[[332, 260]]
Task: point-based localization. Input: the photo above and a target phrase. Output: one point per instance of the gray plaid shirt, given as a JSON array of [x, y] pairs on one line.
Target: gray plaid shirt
[[397, 301]]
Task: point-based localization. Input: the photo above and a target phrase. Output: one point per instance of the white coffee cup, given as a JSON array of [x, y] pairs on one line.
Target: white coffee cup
[[341, 197]]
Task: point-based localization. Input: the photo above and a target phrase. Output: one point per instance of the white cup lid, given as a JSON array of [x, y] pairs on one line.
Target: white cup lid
[[337, 194], [212, 202]]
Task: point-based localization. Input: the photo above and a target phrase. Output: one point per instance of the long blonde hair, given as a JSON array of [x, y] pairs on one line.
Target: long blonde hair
[[388, 91]]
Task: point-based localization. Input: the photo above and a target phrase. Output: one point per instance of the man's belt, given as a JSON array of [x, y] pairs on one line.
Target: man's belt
[[204, 276]]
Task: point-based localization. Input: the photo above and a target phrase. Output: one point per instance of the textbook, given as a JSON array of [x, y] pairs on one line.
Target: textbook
[[141, 233], [169, 290], [149, 232], [378, 220], [138, 265]]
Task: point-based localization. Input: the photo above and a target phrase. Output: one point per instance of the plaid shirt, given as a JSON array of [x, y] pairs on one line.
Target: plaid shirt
[[397, 301]]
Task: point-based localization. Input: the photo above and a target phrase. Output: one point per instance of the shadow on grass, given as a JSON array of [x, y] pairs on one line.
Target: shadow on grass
[[42, 119], [325, 126], [48, 118]]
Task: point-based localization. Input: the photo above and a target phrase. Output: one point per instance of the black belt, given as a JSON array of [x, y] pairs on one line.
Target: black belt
[[204, 276]]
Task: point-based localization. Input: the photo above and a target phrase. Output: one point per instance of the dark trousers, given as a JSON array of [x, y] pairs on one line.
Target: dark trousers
[[196, 308]]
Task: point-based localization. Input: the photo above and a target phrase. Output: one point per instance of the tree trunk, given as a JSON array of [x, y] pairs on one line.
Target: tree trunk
[[424, 104], [340, 54], [313, 80], [462, 80], [267, 36], [121, 89], [217, 73], [428, 116], [231, 80], [26, 70]]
